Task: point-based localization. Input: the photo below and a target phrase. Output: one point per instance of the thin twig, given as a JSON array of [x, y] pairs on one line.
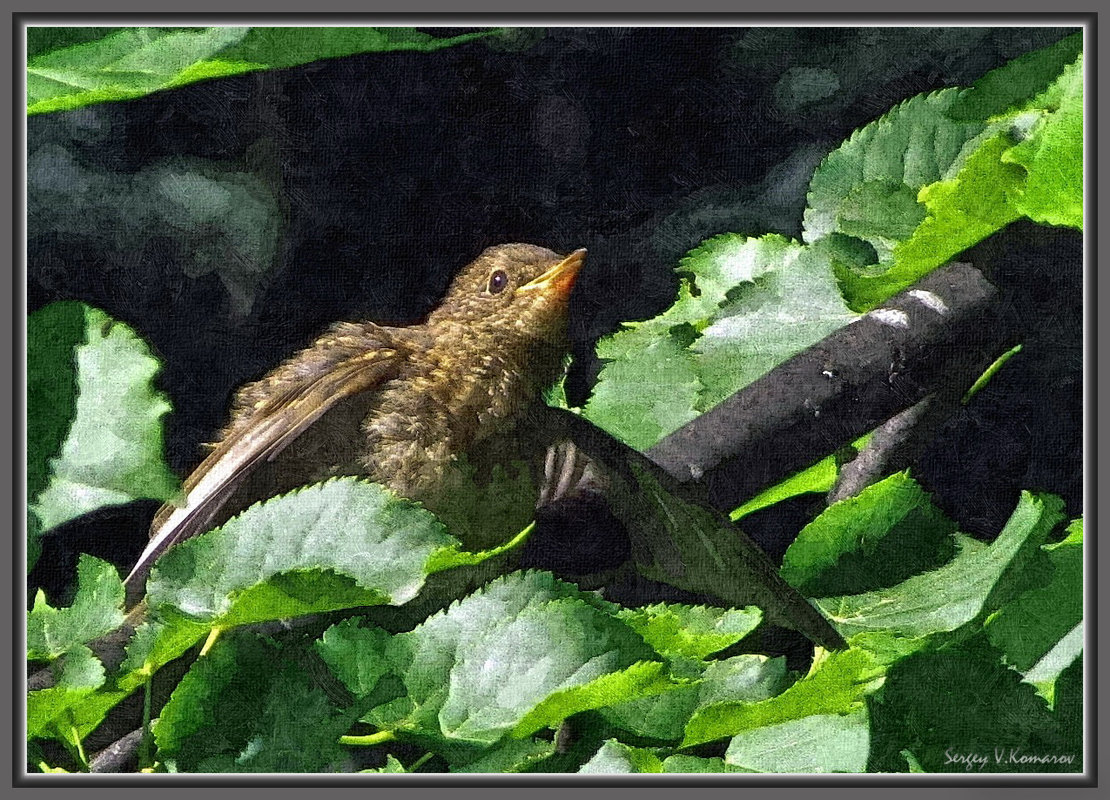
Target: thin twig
[[894, 446], [116, 756]]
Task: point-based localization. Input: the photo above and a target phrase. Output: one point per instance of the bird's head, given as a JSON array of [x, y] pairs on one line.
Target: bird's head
[[516, 289]]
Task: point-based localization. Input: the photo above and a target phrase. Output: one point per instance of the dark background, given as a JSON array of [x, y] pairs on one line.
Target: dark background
[[229, 221]]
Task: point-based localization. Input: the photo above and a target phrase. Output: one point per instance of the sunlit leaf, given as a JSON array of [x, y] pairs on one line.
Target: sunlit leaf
[[946, 598], [95, 418], [131, 62]]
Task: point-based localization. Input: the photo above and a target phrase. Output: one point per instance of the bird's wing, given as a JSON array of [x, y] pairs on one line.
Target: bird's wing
[[677, 537], [270, 414]]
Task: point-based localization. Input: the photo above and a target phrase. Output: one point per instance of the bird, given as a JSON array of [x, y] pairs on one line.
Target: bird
[[407, 407], [428, 408]]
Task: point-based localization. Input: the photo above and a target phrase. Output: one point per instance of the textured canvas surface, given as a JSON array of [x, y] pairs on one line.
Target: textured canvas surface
[[765, 310]]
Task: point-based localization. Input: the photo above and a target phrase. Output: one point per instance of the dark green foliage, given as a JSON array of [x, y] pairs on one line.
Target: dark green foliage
[[52, 335], [878, 538], [1004, 89], [247, 706], [963, 700]]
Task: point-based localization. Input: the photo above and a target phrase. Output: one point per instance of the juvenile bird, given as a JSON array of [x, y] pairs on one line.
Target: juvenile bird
[[402, 406], [434, 410]]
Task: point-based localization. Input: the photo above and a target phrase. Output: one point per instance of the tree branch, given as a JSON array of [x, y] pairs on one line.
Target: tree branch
[[942, 332], [119, 754]]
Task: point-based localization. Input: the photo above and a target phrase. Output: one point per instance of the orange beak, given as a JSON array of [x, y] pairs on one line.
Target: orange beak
[[558, 280]]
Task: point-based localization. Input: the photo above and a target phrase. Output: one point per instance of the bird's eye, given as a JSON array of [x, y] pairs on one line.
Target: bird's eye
[[498, 280]]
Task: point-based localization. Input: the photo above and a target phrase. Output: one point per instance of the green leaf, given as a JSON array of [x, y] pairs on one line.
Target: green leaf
[[960, 211], [247, 706], [555, 395], [856, 216], [69, 714], [662, 717], [794, 304], [362, 657], [155, 643], [125, 64], [961, 701], [1073, 534], [160, 639], [647, 389], [356, 654], [82, 670], [889, 647], [133, 62], [615, 757], [693, 764], [95, 611], [901, 197], [339, 544], [41, 40], [95, 419], [837, 683], [691, 631], [1026, 628], [977, 580], [511, 756], [820, 743], [974, 161], [914, 764], [745, 678], [878, 538], [287, 47], [1067, 708], [50, 712], [34, 540], [989, 373], [1052, 155], [53, 333], [718, 265], [642, 679], [819, 478], [522, 654], [1047, 671], [1010, 86], [744, 305], [913, 145]]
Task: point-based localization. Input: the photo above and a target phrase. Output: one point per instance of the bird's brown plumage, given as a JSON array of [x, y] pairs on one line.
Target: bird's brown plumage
[[400, 406]]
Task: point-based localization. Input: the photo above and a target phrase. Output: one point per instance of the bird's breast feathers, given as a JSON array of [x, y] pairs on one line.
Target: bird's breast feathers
[[439, 410]]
